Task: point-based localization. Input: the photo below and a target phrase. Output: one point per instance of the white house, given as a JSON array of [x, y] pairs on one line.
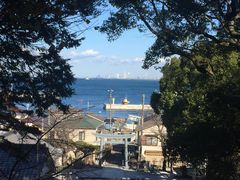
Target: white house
[[153, 133]]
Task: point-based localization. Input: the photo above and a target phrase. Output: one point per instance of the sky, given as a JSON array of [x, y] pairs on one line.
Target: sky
[[122, 58]]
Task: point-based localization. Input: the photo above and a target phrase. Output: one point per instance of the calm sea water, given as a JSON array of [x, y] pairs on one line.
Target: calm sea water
[[90, 95]]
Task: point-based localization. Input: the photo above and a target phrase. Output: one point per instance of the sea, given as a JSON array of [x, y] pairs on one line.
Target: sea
[[91, 94]]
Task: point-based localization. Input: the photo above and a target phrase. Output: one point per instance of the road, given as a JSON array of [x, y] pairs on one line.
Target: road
[[113, 169], [114, 172]]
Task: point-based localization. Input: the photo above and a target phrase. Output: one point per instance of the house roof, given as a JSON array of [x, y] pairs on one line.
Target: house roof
[[80, 122], [95, 116], [149, 122], [30, 165], [72, 121]]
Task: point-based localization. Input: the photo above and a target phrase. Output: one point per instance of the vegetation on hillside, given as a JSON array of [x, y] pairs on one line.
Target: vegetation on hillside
[[201, 113], [199, 92]]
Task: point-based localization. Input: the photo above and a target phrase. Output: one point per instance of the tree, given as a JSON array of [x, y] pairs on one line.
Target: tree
[[179, 26], [199, 100], [33, 75], [201, 113], [32, 34]]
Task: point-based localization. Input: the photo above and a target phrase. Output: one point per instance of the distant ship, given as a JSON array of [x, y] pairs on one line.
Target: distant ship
[[126, 106]]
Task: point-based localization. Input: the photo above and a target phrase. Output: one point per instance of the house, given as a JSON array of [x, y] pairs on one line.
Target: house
[[77, 128], [74, 133], [15, 137], [74, 125], [150, 142], [23, 160]]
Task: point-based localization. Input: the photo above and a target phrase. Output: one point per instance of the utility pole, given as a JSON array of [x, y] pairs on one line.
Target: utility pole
[[141, 131], [110, 111]]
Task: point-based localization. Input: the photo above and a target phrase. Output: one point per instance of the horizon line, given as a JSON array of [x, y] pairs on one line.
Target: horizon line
[[89, 78]]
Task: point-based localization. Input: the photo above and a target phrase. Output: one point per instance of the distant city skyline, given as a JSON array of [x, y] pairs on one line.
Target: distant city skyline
[[119, 76], [122, 58]]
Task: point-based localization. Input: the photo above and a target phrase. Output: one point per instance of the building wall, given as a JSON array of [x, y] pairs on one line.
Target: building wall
[[74, 135], [89, 136], [152, 153]]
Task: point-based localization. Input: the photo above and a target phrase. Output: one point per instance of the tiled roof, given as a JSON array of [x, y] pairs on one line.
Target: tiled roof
[[29, 166], [74, 121], [149, 122], [95, 116], [80, 122]]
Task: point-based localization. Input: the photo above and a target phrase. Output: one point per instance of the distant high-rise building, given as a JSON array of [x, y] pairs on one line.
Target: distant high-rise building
[[118, 76]]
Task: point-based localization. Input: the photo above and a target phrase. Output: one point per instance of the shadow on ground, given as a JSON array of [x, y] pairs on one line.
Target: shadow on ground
[[116, 157]]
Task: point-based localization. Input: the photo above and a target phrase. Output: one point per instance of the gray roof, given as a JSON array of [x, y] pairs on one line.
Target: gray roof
[[75, 121], [154, 120], [28, 165]]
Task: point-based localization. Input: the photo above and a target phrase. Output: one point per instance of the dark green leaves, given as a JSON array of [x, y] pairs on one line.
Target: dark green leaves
[[201, 112], [32, 34], [179, 26]]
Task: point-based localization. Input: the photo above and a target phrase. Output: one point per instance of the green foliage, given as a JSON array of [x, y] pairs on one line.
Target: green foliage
[[199, 99], [85, 147], [32, 34], [201, 112], [179, 26]]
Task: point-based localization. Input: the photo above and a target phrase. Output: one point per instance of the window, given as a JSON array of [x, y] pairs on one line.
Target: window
[[149, 141], [81, 135]]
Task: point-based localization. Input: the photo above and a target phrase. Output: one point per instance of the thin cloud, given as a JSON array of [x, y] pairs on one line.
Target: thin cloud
[[95, 56], [77, 55], [135, 60], [89, 53], [138, 59]]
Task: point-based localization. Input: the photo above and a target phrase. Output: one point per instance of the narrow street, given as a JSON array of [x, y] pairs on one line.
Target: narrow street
[[113, 172], [116, 158], [113, 169]]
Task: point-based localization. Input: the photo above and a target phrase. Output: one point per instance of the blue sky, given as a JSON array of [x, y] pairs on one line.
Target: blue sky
[[121, 58]]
